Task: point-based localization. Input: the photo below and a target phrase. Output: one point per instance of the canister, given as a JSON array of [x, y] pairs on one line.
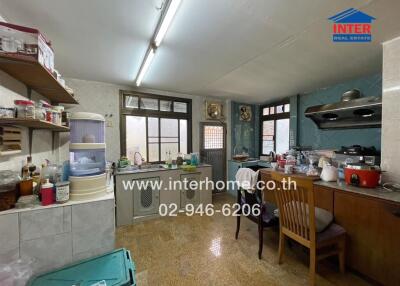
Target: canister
[[62, 192]]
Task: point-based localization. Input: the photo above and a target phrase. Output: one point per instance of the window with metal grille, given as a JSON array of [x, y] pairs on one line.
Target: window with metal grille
[[155, 126], [275, 128], [213, 137]]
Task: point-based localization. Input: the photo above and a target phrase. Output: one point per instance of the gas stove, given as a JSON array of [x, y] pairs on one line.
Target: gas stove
[[358, 153]]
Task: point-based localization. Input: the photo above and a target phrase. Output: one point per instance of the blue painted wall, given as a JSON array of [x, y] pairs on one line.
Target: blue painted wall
[[244, 133], [310, 135]]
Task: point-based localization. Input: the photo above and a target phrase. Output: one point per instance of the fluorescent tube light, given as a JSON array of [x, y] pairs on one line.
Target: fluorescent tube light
[[166, 21], [145, 66]]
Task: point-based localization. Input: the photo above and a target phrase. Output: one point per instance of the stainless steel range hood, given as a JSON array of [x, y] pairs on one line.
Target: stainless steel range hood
[[349, 113]]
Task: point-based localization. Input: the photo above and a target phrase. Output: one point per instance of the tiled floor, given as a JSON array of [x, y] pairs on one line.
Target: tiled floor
[[203, 251]]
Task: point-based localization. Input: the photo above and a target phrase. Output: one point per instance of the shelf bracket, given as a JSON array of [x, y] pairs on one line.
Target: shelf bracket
[[29, 92], [30, 138], [53, 141]]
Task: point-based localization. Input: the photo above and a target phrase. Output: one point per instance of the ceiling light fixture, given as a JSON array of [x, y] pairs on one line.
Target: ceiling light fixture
[[145, 66], [165, 21]]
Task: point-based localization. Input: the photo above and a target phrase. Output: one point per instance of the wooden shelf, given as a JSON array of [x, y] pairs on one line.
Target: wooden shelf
[[35, 76], [34, 124]]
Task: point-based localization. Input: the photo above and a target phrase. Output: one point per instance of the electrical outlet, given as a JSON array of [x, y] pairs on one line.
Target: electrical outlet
[[109, 123]]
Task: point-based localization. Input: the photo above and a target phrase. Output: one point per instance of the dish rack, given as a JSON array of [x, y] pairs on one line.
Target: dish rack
[[87, 159]]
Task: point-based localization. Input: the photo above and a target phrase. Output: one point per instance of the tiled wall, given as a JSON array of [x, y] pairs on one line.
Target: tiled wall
[[10, 90], [245, 134], [52, 237], [391, 114], [309, 134], [103, 98]]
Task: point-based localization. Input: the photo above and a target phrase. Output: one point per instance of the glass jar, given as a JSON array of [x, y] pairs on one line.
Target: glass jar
[[49, 110], [40, 112], [57, 113], [25, 109]]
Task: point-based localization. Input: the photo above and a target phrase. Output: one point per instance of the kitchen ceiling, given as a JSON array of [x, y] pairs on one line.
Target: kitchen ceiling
[[248, 50]]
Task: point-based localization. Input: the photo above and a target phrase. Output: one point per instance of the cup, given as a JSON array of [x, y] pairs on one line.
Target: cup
[[288, 169]]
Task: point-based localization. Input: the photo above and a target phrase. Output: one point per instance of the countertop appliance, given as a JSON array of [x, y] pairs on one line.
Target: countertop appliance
[[357, 153], [362, 175]]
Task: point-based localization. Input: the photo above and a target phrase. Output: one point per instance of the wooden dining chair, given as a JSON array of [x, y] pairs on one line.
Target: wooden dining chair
[[297, 221]]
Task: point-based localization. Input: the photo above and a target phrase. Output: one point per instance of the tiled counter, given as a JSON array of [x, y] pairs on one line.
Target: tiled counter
[[56, 235]]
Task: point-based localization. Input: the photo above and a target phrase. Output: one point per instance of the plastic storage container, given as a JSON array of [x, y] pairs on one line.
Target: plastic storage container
[[8, 189], [25, 108], [40, 112], [90, 187], [86, 128], [112, 269], [57, 114], [87, 159]]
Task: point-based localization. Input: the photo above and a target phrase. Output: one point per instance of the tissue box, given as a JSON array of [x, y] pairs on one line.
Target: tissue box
[[26, 42]]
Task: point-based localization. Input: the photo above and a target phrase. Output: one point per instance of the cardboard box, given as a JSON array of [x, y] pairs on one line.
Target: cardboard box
[[24, 41]]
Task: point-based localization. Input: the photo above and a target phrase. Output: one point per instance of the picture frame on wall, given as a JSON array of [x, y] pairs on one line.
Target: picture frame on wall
[[245, 113], [214, 110]]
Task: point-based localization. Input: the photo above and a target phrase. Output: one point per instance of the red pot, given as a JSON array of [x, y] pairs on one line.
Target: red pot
[[360, 175]]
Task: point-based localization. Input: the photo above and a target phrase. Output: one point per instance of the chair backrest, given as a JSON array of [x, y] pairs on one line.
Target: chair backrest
[[295, 200]]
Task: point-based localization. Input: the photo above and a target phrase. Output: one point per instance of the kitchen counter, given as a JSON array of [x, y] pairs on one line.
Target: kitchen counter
[[377, 192], [109, 195], [153, 169], [58, 234]]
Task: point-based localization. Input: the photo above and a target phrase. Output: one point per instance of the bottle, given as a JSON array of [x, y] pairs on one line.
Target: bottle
[[26, 184], [47, 193], [169, 159], [179, 159]]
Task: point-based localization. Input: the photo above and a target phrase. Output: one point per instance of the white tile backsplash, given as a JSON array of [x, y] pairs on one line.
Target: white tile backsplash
[[390, 109], [10, 90]]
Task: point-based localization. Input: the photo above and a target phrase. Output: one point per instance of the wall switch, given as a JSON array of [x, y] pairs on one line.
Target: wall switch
[[109, 123]]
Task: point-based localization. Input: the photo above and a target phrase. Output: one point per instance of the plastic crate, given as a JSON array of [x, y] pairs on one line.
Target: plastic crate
[[115, 268]]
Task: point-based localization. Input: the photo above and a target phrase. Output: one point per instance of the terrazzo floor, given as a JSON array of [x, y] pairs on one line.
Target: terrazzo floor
[[203, 251]]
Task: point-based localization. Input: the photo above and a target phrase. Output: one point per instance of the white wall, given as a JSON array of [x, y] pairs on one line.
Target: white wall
[[103, 98], [97, 97], [11, 89], [390, 111]]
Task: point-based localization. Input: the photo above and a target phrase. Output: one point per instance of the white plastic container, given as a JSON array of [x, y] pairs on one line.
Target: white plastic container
[[83, 188], [87, 159], [87, 128]]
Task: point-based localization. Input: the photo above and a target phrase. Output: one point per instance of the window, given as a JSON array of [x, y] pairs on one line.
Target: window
[[213, 137], [155, 126], [275, 128]]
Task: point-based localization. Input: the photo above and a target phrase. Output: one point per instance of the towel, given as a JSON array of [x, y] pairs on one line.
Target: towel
[[247, 179]]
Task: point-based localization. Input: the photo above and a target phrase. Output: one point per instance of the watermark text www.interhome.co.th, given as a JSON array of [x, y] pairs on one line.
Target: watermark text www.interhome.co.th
[[187, 184]]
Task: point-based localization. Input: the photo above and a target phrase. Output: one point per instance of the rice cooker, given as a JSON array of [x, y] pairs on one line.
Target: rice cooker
[[362, 175]]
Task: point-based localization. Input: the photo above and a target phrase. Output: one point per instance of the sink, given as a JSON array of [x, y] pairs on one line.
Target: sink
[[151, 167], [140, 169]]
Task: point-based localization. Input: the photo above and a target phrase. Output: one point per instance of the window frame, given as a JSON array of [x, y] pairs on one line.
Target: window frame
[[276, 116], [123, 112]]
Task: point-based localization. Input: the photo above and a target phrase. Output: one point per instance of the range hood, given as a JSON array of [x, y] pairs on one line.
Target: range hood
[[352, 112]]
